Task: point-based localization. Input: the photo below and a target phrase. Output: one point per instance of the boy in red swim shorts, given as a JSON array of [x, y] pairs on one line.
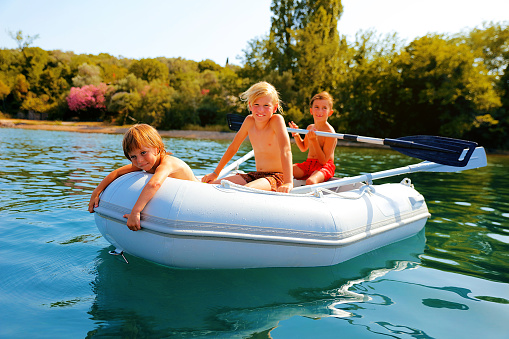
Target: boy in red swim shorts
[[319, 166]]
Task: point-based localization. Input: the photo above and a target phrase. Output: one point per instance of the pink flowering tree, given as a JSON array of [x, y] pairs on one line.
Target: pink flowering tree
[[89, 101]]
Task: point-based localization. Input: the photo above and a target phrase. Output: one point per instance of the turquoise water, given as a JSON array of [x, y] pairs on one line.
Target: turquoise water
[[57, 279]]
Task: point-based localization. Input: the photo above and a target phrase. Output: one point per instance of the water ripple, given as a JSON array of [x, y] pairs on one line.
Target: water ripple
[[54, 259]]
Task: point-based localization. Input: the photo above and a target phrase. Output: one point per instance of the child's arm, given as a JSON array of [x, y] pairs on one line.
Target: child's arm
[[162, 171], [301, 143], [94, 199], [278, 124], [231, 151], [325, 153]]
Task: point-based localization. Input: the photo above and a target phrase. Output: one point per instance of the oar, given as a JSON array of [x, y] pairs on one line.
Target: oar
[[235, 164], [441, 150], [478, 159]]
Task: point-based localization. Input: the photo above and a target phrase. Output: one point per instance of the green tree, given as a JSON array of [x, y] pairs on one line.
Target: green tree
[[155, 102], [232, 84], [491, 44], [21, 87], [126, 99], [366, 92], [291, 19], [208, 65], [182, 71], [112, 72], [317, 46], [184, 77], [4, 92], [87, 75], [443, 90], [36, 103], [280, 47], [130, 84], [125, 104], [149, 70], [10, 66], [303, 43], [23, 41], [36, 61], [52, 83]]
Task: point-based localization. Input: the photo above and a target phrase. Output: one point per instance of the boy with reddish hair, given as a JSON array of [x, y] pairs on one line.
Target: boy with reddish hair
[[319, 166], [144, 147]]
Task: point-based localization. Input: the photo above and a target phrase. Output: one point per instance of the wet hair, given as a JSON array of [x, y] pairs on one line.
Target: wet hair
[[322, 96], [262, 89], [142, 135]]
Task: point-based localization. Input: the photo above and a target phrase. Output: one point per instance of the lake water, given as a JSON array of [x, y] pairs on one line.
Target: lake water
[[57, 279]]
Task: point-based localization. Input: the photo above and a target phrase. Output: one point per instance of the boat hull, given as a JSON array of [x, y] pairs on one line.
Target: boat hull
[[194, 225]]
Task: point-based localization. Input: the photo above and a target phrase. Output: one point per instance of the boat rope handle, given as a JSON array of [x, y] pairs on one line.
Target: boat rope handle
[[407, 182], [231, 185], [316, 193], [364, 189], [369, 180]]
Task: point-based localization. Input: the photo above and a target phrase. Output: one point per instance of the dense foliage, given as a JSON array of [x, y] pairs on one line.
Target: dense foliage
[[455, 86]]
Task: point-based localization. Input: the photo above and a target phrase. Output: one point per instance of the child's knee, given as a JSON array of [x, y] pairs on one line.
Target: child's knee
[[315, 178], [311, 181], [297, 172]]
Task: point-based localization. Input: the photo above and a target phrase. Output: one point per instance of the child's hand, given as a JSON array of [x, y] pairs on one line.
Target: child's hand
[[291, 124], [285, 188], [94, 202], [209, 177], [311, 133], [133, 221]]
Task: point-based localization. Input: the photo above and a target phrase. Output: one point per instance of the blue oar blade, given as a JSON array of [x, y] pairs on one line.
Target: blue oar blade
[[235, 121], [441, 150]]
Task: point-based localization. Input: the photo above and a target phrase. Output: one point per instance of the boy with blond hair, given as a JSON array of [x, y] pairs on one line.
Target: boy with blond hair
[[269, 139], [319, 166], [144, 147]]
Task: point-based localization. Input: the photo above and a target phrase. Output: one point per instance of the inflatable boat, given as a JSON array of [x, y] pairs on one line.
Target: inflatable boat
[[195, 225]]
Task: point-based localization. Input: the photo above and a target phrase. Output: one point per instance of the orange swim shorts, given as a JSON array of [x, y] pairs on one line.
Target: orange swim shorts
[[311, 165], [275, 178]]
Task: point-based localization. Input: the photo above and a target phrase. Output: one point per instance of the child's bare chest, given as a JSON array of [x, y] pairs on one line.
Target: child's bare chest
[[264, 140], [320, 140]]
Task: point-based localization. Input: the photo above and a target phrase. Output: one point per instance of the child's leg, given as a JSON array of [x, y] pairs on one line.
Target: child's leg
[[261, 184], [298, 173], [315, 178], [236, 179]]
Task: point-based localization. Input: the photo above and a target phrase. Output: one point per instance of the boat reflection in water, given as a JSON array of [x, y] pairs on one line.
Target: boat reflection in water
[[142, 297]]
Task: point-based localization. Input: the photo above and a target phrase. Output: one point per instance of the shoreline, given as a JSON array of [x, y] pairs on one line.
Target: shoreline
[[99, 127]]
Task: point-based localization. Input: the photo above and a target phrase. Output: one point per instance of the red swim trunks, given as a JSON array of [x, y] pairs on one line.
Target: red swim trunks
[[311, 165], [275, 178]]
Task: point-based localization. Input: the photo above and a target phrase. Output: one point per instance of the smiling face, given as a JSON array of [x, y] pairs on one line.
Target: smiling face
[[139, 136], [262, 108], [321, 110], [145, 158]]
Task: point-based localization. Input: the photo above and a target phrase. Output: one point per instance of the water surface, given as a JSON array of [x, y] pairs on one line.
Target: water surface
[[58, 280]]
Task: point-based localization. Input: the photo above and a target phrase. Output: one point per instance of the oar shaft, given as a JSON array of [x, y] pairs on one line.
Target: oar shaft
[[235, 164], [349, 137], [371, 140]]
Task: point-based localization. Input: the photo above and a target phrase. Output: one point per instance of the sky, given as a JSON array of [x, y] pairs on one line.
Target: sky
[[216, 29]]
